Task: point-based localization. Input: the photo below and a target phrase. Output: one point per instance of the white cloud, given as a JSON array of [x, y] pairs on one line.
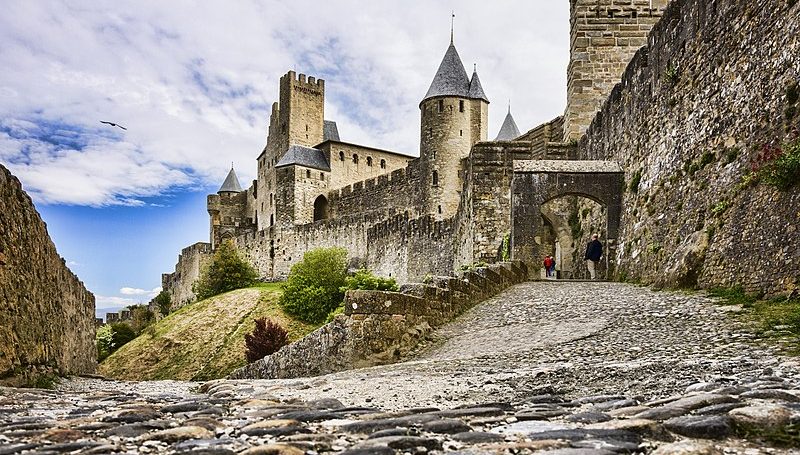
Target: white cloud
[[193, 84], [140, 292]]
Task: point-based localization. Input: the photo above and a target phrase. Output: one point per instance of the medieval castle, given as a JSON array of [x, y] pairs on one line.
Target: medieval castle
[[467, 199]]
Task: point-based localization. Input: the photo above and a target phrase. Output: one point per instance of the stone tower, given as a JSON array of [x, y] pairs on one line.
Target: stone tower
[[454, 115], [297, 119], [604, 36]]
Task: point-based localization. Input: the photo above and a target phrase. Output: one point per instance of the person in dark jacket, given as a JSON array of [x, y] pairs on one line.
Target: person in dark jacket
[[594, 251]]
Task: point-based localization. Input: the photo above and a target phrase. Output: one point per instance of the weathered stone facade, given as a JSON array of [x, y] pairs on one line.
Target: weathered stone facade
[[604, 36], [48, 323], [691, 112]]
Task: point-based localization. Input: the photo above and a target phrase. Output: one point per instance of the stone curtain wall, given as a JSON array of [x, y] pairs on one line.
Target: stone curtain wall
[[47, 314], [400, 191], [690, 114], [346, 171], [380, 327], [178, 284]]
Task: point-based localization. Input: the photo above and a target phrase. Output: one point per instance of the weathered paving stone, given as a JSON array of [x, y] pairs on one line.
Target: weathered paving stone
[[647, 428], [471, 412], [767, 415], [609, 445], [578, 434], [205, 447], [723, 408], [406, 442], [614, 404], [273, 449], [16, 448], [132, 415], [446, 426], [772, 394], [588, 417], [684, 405], [186, 406], [133, 430], [706, 427], [477, 437], [310, 415], [381, 450], [396, 432], [687, 448], [180, 434]]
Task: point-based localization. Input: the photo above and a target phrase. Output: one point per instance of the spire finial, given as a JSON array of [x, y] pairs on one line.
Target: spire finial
[[509, 105], [474, 67], [231, 164], [452, 24]]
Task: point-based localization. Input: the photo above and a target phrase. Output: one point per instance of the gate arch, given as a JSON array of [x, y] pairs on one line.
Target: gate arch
[[536, 182]]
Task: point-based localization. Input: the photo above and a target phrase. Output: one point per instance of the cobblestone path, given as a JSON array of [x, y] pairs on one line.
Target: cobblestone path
[[562, 368]]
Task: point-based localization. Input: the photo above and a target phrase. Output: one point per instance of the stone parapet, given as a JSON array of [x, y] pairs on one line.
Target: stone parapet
[[379, 327]]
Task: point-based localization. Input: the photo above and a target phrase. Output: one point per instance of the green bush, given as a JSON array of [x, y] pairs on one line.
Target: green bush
[[163, 302], [779, 166], [111, 337], [314, 286], [226, 271], [365, 279], [141, 318]]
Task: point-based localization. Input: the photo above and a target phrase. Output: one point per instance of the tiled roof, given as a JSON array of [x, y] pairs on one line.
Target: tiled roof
[[304, 156]]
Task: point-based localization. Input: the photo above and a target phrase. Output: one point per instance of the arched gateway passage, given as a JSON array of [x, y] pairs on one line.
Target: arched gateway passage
[[321, 208], [536, 182]]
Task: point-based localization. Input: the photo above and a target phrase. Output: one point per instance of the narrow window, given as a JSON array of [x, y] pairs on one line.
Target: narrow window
[[271, 220], [355, 158], [322, 176], [369, 161], [383, 164], [433, 155], [441, 105], [435, 178], [439, 208], [306, 127], [308, 174], [341, 156], [460, 105], [460, 132]]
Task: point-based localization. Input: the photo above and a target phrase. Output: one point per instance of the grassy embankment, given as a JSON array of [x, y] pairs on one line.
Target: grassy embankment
[[203, 340]]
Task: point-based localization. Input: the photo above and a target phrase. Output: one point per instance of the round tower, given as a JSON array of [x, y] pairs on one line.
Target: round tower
[[454, 115]]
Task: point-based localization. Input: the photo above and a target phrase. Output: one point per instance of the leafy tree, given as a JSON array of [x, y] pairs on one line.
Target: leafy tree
[[163, 302], [226, 271], [111, 337], [365, 279], [267, 337], [141, 317], [314, 285]]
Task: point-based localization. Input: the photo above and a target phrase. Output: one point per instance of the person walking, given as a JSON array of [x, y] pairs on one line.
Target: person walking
[[552, 267], [547, 264], [594, 251]]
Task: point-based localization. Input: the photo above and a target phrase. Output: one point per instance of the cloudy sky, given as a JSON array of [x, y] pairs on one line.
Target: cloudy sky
[[193, 81]]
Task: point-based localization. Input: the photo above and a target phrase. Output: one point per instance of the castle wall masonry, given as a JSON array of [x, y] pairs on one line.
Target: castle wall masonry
[[691, 112], [47, 322]]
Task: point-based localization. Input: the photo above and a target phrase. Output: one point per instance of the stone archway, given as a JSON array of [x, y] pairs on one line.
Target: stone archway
[[536, 182], [320, 208]]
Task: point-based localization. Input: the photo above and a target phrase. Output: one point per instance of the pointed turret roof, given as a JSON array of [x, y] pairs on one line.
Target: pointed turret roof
[[231, 183], [475, 89], [451, 78], [509, 130]]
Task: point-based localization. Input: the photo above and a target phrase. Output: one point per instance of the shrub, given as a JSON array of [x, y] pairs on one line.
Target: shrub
[[314, 286], [141, 318], [163, 302], [226, 271], [778, 165], [111, 337], [365, 279], [267, 337]]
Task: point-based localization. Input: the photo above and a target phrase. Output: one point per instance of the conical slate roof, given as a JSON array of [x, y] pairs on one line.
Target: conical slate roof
[[451, 78], [231, 183], [475, 88], [509, 130]]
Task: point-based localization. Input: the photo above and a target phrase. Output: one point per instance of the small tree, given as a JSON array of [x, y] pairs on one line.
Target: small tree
[[164, 302], [226, 271], [141, 317], [267, 337], [314, 286]]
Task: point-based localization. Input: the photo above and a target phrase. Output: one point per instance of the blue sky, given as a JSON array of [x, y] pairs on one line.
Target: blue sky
[[192, 83]]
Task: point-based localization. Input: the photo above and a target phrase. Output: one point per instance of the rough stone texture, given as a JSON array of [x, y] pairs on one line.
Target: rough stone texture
[[711, 83], [604, 36], [380, 327], [47, 315], [179, 283]]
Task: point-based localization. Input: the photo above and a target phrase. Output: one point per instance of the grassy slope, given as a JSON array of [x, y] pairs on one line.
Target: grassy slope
[[204, 340]]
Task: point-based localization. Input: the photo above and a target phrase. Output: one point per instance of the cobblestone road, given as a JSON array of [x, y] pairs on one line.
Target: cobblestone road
[[572, 368]]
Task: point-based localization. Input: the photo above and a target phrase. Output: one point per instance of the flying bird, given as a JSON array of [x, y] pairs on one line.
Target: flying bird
[[113, 124]]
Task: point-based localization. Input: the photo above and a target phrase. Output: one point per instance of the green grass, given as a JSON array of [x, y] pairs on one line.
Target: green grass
[[786, 436], [203, 340], [732, 296]]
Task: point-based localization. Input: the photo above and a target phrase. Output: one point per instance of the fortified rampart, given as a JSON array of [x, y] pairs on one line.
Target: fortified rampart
[[48, 323], [716, 83], [179, 283]]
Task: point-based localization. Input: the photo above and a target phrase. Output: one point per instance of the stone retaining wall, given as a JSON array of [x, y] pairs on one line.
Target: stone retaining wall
[[380, 327], [47, 323]]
